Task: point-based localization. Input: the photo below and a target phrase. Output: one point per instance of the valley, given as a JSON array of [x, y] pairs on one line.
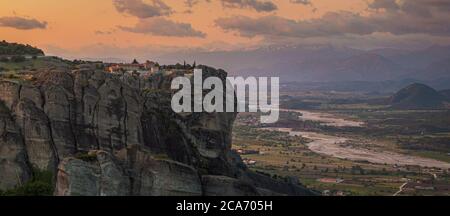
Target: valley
[[361, 148]]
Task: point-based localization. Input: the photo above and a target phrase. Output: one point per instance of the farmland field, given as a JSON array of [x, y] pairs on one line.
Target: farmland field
[[356, 150]]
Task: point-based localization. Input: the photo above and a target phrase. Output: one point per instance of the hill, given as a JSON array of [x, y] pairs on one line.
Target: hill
[[446, 94], [417, 96], [12, 49]]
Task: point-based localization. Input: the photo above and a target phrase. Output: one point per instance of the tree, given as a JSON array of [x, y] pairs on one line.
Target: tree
[[18, 59], [18, 49]]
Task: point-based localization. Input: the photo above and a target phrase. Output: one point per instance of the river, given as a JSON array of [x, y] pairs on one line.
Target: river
[[325, 118], [331, 145]]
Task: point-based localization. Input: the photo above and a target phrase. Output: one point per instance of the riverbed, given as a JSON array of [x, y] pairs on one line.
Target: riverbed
[[332, 145], [325, 118]]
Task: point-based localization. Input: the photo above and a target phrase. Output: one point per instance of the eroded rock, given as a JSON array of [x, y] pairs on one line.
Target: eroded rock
[[132, 141], [14, 170]]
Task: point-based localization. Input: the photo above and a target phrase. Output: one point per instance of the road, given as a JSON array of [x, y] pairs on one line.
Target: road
[[400, 189]]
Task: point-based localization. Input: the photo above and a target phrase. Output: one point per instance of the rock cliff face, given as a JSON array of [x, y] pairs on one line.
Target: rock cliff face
[[104, 134]]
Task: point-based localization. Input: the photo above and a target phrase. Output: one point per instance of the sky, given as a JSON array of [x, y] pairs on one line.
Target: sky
[[87, 28]]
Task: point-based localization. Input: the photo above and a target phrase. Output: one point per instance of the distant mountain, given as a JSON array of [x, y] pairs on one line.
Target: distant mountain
[[326, 63], [290, 63], [446, 94], [390, 52], [417, 96], [421, 59], [300, 63], [368, 66], [437, 69]]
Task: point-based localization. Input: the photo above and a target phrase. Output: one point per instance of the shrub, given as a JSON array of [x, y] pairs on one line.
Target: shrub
[[11, 76], [41, 184], [18, 59], [88, 157], [161, 156], [32, 188]]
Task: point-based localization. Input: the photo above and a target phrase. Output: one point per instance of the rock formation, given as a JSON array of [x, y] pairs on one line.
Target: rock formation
[[106, 134]]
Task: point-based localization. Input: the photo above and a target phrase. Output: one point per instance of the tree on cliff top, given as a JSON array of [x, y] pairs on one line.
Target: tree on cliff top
[[18, 49]]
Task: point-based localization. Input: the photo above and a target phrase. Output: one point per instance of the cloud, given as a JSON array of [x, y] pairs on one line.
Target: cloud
[[258, 5], [429, 17], [384, 4], [22, 23], [303, 2], [330, 24], [105, 32], [163, 27], [141, 9], [191, 3]]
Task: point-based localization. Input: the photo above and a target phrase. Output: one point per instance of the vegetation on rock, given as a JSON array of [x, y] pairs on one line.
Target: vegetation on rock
[[13, 49], [41, 184]]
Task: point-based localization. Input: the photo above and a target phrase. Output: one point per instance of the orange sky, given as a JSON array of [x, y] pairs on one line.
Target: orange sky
[[90, 28], [72, 23]]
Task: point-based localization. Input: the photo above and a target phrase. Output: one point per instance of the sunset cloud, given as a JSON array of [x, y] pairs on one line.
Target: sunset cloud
[[163, 27], [330, 24], [141, 9], [191, 3], [303, 2], [22, 23], [384, 4], [241, 23], [419, 17], [258, 5]]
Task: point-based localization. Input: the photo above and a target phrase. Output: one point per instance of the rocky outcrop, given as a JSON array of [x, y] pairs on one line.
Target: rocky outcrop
[[132, 171], [14, 169], [105, 134], [37, 134], [226, 186], [98, 176]]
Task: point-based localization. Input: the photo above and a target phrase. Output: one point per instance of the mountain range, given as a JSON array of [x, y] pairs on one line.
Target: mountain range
[[326, 63]]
